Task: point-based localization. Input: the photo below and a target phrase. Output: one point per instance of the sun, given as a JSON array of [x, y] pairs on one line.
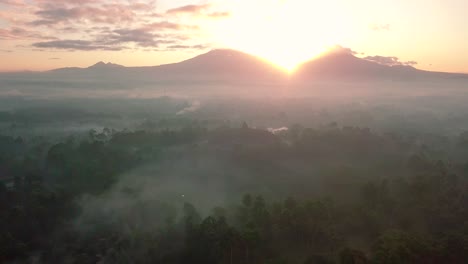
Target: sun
[[277, 31]]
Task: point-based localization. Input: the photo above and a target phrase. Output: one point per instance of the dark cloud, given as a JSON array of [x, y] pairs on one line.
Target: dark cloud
[[389, 61], [168, 33], [57, 14], [87, 25], [83, 45], [112, 13], [140, 37], [21, 33], [119, 39]]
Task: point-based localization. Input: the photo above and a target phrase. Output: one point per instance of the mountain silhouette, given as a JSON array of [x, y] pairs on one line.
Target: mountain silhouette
[[341, 65], [216, 66], [231, 67], [103, 65], [221, 64]]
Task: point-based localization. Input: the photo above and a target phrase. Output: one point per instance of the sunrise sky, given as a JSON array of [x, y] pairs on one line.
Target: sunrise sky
[[47, 34]]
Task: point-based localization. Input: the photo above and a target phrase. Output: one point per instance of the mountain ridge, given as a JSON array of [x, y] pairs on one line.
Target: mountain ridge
[[218, 60], [103, 65], [228, 65]]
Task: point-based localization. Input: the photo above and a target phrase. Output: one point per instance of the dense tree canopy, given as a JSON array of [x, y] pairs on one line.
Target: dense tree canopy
[[323, 195]]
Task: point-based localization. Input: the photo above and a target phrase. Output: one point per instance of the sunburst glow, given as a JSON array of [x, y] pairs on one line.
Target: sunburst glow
[[284, 32]]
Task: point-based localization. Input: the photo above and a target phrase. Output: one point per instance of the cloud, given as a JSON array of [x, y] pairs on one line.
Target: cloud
[[188, 9], [120, 39], [165, 25], [141, 37], [196, 47], [383, 60], [389, 61], [57, 14], [86, 25], [411, 63], [342, 50], [16, 33], [113, 13], [54, 58], [198, 10], [82, 45], [138, 36], [6, 51], [219, 14], [12, 2]]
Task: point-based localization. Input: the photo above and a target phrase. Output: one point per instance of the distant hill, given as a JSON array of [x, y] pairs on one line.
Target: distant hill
[[223, 64], [344, 66], [216, 66], [103, 65], [230, 69]]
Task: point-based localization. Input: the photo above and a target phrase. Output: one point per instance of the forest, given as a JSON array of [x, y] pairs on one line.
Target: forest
[[230, 193], [233, 132]]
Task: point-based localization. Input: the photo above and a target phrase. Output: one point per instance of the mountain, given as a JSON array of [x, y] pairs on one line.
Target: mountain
[[225, 62], [216, 66], [221, 65], [103, 65], [230, 68], [97, 68], [340, 65]]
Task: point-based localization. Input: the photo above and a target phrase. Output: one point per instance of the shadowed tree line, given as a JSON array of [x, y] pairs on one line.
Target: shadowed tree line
[[328, 195]]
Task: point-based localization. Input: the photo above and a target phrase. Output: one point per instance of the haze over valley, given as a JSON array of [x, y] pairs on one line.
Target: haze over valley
[[233, 132]]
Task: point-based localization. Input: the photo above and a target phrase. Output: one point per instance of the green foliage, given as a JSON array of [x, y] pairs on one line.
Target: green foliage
[[330, 195], [399, 247]]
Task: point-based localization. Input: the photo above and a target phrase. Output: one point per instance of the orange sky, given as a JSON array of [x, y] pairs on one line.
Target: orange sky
[[46, 34]]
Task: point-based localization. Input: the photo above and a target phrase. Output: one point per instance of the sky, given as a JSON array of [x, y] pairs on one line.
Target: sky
[[48, 34]]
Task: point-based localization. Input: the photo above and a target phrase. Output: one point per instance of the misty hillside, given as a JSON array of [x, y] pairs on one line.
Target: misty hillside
[[230, 65], [233, 132], [339, 65], [220, 64], [225, 64], [231, 73], [100, 165]]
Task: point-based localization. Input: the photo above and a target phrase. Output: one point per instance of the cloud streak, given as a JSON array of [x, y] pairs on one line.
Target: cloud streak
[[188, 9], [389, 61], [111, 25], [82, 45], [16, 33], [198, 10]]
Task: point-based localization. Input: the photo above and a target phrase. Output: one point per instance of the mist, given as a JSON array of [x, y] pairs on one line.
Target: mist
[[225, 159]]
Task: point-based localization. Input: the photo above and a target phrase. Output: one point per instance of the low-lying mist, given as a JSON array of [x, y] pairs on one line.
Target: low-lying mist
[[287, 173]]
